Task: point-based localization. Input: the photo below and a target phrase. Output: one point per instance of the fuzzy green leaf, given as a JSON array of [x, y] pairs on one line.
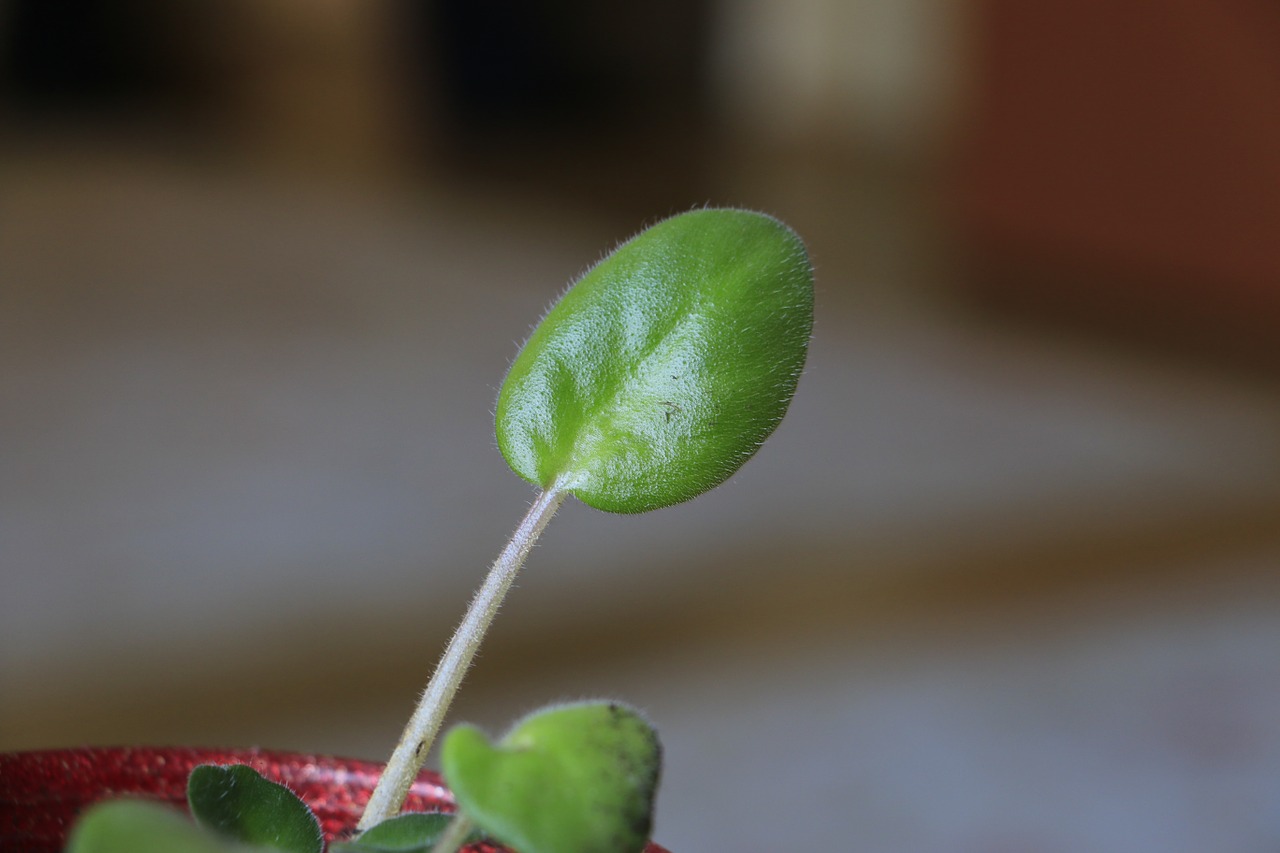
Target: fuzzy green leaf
[[571, 779], [238, 802], [143, 827], [663, 369]]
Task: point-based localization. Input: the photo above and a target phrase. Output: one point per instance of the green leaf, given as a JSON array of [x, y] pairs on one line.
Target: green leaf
[[663, 369], [571, 779], [415, 832], [238, 802], [138, 826]]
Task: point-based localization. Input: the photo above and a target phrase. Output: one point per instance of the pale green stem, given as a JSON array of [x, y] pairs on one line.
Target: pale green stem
[[410, 753], [454, 835]]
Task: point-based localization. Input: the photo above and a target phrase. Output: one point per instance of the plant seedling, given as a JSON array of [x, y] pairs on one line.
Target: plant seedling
[[653, 379]]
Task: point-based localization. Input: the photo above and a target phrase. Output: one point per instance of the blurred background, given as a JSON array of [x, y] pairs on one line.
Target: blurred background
[[1006, 579]]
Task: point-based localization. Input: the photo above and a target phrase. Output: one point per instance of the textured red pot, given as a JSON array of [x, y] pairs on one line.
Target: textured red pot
[[41, 793]]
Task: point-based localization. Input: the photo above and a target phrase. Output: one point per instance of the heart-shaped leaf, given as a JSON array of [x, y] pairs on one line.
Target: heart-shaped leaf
[[570, 779], [661, 371], [138, 826], [238, 802]]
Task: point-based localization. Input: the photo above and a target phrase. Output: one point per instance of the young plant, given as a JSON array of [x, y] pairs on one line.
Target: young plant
[[653, 379], [578, 777]]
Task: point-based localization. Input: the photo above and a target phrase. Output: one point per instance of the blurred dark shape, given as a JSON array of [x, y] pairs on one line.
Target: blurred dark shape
[[605, 104], [73, 58], [565, 64], [605, 98], [1122, 169]]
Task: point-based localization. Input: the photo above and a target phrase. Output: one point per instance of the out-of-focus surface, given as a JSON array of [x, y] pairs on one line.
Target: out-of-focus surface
[[994, 585]]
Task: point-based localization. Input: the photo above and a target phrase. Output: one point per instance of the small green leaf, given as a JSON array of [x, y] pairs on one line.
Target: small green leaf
[[238, 802], [138, 826], [663, 369], [571, 779], [415, 832]]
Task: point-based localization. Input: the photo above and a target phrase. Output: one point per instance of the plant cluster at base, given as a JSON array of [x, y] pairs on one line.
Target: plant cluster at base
[[568, 779]]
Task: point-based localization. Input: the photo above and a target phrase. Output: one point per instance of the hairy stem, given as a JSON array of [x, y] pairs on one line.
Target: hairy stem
[[410, 753]]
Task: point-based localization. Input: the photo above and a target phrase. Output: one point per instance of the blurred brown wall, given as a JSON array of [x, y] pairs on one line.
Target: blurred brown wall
[[1122, 166]]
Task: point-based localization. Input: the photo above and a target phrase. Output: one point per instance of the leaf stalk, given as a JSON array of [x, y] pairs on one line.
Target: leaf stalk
[[411, 752]]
